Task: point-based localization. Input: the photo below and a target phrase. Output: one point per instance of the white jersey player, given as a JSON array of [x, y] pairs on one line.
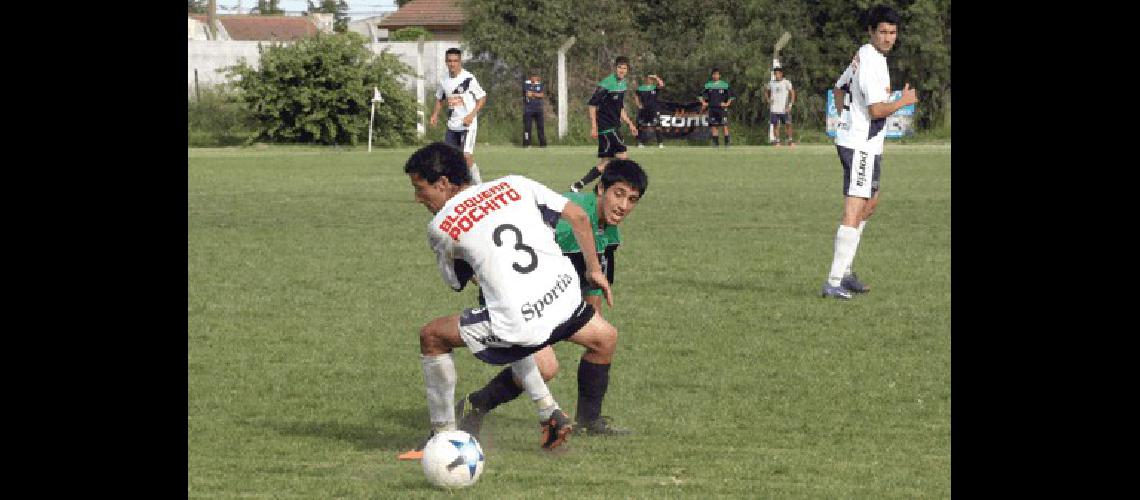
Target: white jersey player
[[501, 233], [465, 98], [862, 93]]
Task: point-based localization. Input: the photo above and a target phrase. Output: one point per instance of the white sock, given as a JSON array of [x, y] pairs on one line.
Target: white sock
[[475, 177], [526, 373], [850, 266], [846, 242], [439, 378]]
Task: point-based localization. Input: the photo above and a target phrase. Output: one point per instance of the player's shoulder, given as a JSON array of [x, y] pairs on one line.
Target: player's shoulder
[[868, 55]]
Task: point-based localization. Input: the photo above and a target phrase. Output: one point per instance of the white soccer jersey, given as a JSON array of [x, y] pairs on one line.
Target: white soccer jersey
[[866, 81], [502, 231], [461, 93], [781, 90]]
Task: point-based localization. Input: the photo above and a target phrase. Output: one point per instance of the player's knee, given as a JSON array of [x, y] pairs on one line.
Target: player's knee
[[548, 369], [430, 343]]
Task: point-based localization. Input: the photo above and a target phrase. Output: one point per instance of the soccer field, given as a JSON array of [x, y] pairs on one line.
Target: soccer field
[[309, 276]]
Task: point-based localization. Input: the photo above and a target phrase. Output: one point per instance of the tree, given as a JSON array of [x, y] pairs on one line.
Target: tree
[[196, 6], [269, 8], [410, 34], [401, 3], [339, 9], [318, 90]]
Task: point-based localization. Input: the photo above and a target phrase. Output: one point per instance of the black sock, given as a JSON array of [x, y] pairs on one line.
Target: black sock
[[594, 173], [716, 140], [726, 140], [499, 390], [593, 381]]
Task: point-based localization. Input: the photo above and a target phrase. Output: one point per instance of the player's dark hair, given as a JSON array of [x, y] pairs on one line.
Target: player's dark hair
[[533, 72], [627, 171], [621, 60], [714, 70], [453, 50], [881, 14], [437, 160]]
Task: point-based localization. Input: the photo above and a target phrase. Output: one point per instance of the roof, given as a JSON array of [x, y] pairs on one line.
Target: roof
[[265, 28], [434, 13]]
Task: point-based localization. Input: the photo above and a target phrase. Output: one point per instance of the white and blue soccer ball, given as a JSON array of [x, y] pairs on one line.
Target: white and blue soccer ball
[[453, 459]]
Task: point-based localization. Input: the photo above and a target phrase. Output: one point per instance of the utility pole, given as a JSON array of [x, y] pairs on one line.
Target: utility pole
[[211, 18]]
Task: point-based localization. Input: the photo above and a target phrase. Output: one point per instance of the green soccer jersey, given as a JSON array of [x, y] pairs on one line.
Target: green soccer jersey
[[609, 98], [603, 238]]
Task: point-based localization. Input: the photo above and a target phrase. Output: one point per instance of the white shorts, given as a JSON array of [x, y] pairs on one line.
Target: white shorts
[[463, 140]]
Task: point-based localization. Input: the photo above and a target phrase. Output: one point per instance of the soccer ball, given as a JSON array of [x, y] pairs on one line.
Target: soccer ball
[[452, 459]]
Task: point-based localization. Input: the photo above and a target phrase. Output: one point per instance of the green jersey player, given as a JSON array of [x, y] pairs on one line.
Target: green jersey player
[[621, 187]]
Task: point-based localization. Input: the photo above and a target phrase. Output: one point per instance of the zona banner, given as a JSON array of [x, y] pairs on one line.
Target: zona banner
[[679, 120]]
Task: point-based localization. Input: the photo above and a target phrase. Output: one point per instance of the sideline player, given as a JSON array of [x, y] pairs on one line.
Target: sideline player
[[863, 92], [647, 113], [620, 189], [717, 97], [606, 108], [499, 234], [780, 96], [465, 98]]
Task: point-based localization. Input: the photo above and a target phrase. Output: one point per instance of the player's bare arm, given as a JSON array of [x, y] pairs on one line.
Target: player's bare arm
[[584, 234], [435, 112], [880, 110], [593, 112], [791, 98], [628, 122], [475, 112]]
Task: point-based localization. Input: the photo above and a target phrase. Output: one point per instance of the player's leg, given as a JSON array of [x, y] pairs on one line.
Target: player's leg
[[714, 122], [726, 137], [850, 279], [469, 155], [856, 190], [599, 337], [790, 141], [526, 128], [437, 339], [774, 121], [502, 388], [608, 146], [540, 122]]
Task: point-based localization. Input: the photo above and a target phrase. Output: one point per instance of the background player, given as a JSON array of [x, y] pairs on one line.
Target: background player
[[606, 108], [780, 96], [465, 98], [717, 97], [647, 113]]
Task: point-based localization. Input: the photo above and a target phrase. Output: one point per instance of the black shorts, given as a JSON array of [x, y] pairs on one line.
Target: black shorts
[[846, 155], [718, 116], [609, 144], [504, 355], [606, 259], [647, 118], [778, 118]]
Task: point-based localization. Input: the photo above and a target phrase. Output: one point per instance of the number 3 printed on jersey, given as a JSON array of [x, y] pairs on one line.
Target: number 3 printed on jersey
[[497, 237]]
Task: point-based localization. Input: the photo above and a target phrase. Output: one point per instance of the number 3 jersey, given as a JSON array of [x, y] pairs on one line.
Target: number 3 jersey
[[502, 232]]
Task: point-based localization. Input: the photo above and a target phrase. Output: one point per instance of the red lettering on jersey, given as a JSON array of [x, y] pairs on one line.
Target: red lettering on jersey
[[465, 218]]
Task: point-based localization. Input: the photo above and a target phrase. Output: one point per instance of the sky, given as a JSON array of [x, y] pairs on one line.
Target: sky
[[357, 9]]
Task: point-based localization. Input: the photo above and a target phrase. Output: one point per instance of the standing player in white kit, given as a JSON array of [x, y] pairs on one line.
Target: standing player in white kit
[[465, 98]]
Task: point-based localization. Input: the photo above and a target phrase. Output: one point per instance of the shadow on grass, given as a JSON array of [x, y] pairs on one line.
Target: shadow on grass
[[396, 429]]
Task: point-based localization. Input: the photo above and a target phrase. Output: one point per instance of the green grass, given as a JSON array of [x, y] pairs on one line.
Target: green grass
[[309, 275]]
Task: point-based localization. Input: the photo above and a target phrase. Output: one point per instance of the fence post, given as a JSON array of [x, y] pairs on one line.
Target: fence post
[[563, 124], [197, 94]]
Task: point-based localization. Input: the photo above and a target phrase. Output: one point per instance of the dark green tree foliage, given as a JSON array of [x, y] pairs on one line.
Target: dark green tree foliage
[[269, 8], [682, 41], [410, 34], [337, 7], [318, 90], [196, 6]]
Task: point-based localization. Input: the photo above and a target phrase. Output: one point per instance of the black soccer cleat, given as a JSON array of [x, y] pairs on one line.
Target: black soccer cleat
[[471, 420], [556, 429], [601, 427], [851, 283]]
